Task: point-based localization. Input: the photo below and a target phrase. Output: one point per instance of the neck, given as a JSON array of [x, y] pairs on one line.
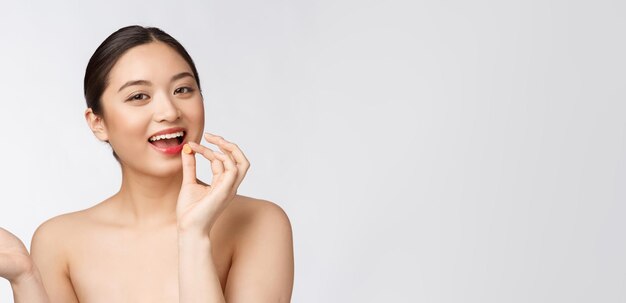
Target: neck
[[145, 200]]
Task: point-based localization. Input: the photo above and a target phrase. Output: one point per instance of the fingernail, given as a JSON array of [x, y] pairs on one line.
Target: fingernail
[[187, 149]]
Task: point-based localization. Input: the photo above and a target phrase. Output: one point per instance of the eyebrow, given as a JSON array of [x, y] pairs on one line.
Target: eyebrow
[[148, 83]]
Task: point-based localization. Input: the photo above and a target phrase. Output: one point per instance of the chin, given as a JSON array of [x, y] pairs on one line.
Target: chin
[[165, 169], [161, 168]]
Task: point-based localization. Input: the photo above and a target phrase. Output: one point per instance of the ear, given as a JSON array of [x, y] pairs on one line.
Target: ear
[[96, 124]]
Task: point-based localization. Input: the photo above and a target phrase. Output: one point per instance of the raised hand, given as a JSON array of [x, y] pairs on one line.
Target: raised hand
[[15, 260], [199, 205]]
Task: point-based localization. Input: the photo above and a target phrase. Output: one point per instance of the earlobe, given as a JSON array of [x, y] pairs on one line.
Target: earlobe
[[96, 124]]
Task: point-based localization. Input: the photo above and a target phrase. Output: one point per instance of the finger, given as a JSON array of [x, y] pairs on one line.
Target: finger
[[230, 175], [231, 149], [189, 167], [219, 141], [236, 154], [230, 169], [239, 160], [217, 166]]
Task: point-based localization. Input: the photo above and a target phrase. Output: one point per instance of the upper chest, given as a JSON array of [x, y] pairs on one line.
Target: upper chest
[[114, 265]]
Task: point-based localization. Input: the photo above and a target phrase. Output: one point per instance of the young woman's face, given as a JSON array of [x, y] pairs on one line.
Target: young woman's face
[[150, 101]]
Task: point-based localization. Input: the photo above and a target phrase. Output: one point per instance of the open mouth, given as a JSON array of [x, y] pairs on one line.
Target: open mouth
[[170, 142], [167, 140]]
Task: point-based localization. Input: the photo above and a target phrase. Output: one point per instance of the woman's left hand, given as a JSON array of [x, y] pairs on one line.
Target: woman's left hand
[[199, 205]]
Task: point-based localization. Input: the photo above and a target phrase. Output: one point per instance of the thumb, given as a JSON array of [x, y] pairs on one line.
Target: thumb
[[189, 165]]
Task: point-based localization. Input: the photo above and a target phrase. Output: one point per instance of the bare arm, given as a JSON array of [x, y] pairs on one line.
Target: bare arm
[[17, 266], [198, 207], [48, 252], [263, 264], [197, 275], [29, 288], [262, 270]]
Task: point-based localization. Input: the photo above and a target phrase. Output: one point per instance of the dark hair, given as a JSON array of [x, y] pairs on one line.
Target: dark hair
[[112, 48]]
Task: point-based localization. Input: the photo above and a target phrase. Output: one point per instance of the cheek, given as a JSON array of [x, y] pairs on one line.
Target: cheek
[[198, 114], [126, 129], [194, 114]]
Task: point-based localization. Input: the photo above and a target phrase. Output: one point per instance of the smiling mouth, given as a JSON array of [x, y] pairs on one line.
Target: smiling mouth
[[167, 141]]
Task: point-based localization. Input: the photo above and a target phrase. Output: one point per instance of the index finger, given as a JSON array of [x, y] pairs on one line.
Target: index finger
[[224, 145]]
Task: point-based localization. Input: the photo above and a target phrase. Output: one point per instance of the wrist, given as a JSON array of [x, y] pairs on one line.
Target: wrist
[[28, 276], [192, 231], [193, 245], [192, 236], [27, 272], [29, 287]]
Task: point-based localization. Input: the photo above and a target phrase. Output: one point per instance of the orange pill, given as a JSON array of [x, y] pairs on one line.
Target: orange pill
[[187, 149]]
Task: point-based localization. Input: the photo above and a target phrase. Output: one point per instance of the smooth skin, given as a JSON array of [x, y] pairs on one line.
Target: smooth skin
[[165, 236], [17, 266]]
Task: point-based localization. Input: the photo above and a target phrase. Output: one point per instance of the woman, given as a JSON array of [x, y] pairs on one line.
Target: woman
[[164, 236]]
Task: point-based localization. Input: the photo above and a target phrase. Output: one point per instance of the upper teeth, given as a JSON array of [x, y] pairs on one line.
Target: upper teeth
[[166, 136]]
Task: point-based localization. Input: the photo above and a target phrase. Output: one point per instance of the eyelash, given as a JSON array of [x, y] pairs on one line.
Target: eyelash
[[189, 90], [176, 91], [133, 97]]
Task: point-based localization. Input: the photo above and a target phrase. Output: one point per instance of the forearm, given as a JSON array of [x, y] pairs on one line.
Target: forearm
[[197, 276], [29, 289]]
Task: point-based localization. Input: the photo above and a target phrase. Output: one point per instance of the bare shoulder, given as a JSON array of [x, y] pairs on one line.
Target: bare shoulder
[[50, 248], [259, 208], [53, 237], [252, 216], [263, 261], [61, 230], [58, 228]]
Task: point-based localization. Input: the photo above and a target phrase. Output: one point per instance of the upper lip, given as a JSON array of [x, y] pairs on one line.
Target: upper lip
[[168, 131]]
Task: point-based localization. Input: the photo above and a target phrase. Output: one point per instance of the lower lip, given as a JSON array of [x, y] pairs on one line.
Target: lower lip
[[174, 150]]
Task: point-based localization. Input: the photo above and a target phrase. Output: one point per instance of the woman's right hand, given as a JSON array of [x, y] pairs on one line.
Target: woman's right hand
[[15, 261]]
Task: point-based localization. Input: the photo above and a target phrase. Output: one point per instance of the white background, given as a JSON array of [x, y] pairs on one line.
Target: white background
[[425, 151]]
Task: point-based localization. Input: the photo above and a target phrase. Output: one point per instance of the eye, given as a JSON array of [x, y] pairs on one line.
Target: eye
[[183, 90], [138, 97]]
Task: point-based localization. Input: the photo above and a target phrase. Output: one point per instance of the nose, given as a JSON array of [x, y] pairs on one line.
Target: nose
[[166, 109]]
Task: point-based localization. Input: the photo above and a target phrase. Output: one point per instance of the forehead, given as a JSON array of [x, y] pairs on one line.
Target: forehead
[[154, 61]]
